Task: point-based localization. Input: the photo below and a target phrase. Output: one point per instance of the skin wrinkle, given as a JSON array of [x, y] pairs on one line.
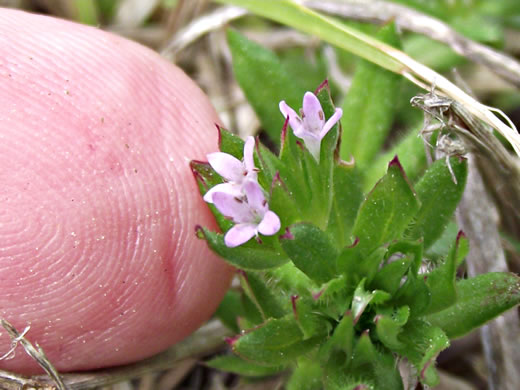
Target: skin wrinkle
[[79, 177]]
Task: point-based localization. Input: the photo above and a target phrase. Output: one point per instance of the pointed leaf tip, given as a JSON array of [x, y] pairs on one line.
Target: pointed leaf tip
[[425, 368], [196, 173], [284, 132], [232, 340], [219, 135], [460, 235], [317, 295], [294, 298], [277, 179], [354, 244], [395, 161], [324, 85], [287, 235], [199, 232]]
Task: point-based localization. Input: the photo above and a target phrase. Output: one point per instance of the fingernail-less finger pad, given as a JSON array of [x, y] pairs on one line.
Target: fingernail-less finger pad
[[98, 203]]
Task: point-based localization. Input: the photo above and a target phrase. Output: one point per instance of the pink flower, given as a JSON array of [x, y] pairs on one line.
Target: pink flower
[[311, 127], [250, 214], [233, 171]]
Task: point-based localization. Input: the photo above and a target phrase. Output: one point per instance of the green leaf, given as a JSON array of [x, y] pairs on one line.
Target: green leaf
[[283, 204], [311, 324], [206, 178], [287, 189], [479, 28], [261, 295], [386, 373], [250, 256], [389, 324], [295, 15], [251, 316], [423, 343], [269, 165], [334, 297], [369, 106], [230, 143], [338, 348], [236, 365], [479, 300], [441, 280], [306, 376], [462, 248], [345, 202], [229, 309], [289, 278], [277, 342], [364, 354], [311, 250], [390, 276], [433, 54], [362, 298], [319, 188], [387, 210], [86, 11], [322, 186], [329, 143], [413, 293], [340, 380], [293, 171], [409, 149], [414, 248], [367, 369], [265, 82], [439, 197], [356, 267], [441, 248]]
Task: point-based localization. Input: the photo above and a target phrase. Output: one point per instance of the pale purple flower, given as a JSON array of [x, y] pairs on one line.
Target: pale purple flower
[[250, 214], [232, 170], [311, 127]]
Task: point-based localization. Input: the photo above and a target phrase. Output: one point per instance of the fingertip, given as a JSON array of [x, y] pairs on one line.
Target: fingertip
[[97, 239]]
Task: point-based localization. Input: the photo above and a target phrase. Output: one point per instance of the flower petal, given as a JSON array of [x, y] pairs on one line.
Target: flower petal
[[313, 144], [331, 122], [227, 166], [249, 148], [239, 234], [255, 198], [294, 120], [270, 224], [232, 207], [230, 188], [314, 118]]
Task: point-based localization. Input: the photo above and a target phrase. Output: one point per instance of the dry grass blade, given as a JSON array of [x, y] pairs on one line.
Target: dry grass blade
[[132, 13], [200, 27], [412, 20], [477, 215], [35, 352]]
